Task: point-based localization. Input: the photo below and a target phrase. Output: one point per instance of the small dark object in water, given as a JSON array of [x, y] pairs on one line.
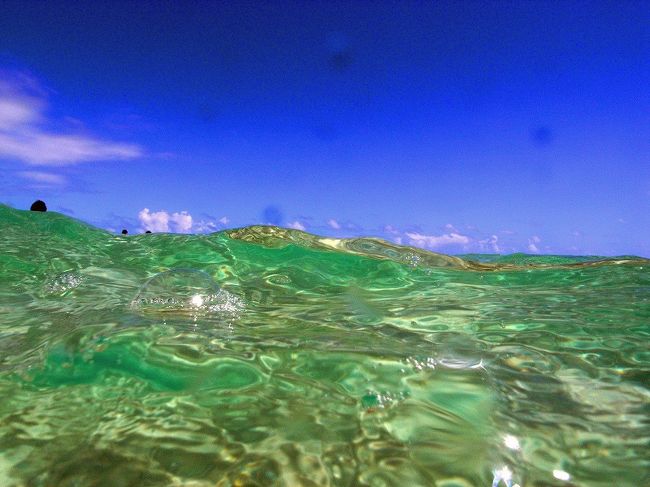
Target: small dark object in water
[[125, 232], [148, 231], [38, 205]]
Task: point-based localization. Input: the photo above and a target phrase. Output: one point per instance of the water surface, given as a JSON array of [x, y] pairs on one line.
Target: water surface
[[271, 357]]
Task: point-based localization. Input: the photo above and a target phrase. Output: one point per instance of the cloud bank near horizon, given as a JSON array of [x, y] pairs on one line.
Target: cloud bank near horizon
[[178, 222], [451, 240]]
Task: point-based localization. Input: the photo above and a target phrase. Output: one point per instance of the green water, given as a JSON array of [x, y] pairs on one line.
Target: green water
[[270, 357]]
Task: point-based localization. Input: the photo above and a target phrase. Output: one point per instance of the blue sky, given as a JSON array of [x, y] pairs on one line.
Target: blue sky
[[454, 126]]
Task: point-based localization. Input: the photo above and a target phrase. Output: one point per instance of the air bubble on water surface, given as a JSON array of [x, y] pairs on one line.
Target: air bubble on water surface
[[459, 352], [63, 283], [185, 291], [462, 363]]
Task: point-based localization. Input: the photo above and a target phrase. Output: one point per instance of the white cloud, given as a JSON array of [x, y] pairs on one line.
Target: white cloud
[[42, 149], [532, 244], [450, 228], [209, 224], [203, 226], [453, 241], [25, 135], [44, 178], [434, 242], [161, 221], [334, 224], [18, 111], [490, 244], [157, 221], [296, 225], [181, 222]]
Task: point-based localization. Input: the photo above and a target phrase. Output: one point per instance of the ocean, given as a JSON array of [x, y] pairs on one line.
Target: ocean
[[263, 356]]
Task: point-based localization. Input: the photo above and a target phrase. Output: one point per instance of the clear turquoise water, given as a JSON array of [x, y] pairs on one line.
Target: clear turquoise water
[[265, 356]]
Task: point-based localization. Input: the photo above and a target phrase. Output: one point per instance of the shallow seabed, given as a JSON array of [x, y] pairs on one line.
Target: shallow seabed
[[271, 357]]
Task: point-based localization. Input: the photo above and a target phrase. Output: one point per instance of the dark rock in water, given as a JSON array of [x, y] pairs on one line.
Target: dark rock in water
[[125, 231], [38, 205]]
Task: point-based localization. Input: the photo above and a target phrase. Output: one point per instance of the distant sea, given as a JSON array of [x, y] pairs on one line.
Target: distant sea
[[264, 356]]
